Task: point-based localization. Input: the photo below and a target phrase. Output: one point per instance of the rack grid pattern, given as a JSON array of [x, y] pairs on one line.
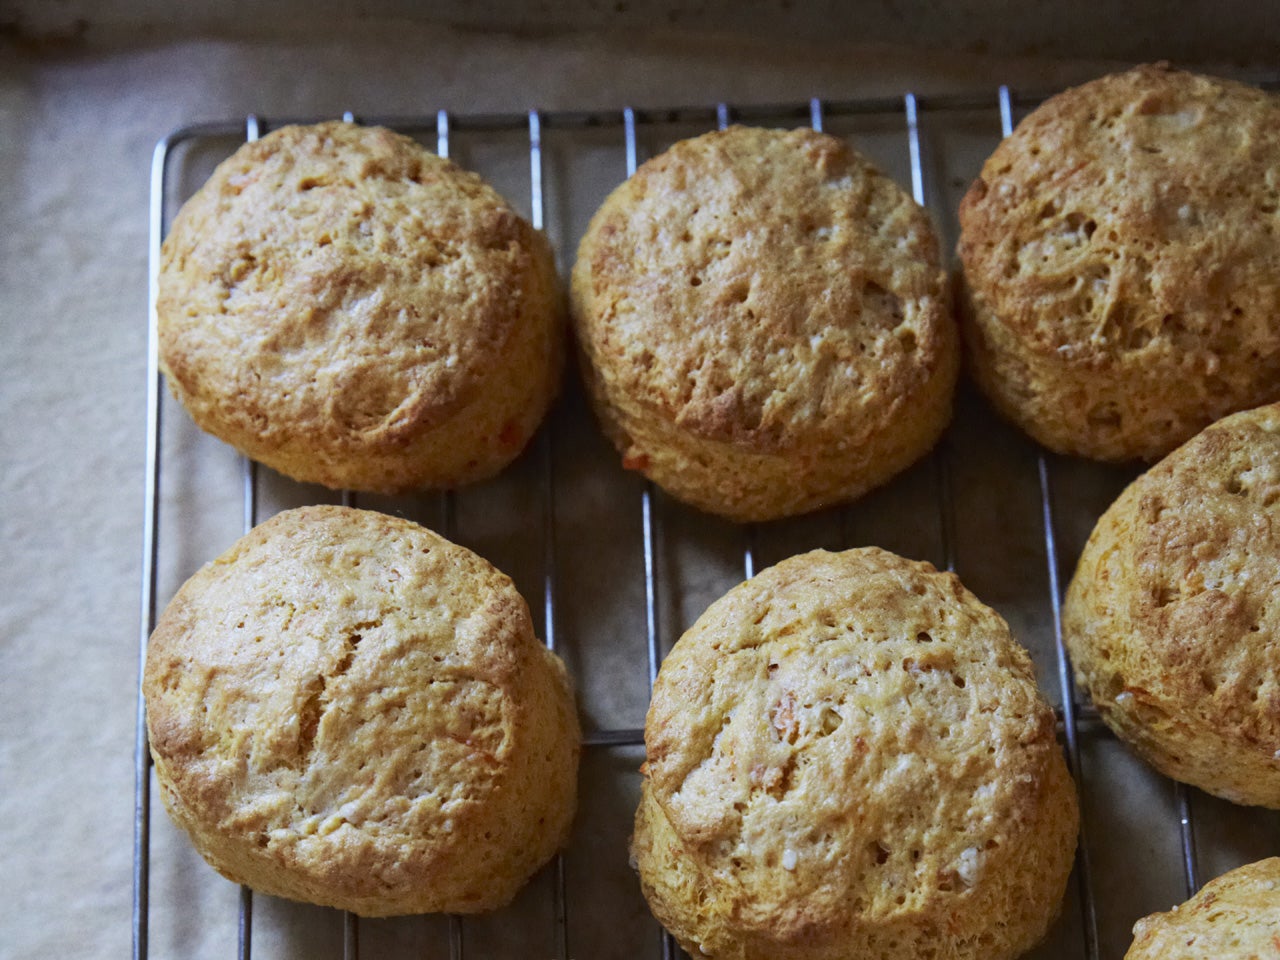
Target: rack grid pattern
[[911, 111]]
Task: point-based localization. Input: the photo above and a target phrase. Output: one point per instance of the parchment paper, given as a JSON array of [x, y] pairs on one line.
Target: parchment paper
[[76, 131]]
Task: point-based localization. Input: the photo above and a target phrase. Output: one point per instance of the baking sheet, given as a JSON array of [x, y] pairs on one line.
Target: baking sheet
[[998, 550]]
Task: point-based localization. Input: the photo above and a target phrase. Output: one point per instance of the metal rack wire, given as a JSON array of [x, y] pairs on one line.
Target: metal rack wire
[[912, 112]]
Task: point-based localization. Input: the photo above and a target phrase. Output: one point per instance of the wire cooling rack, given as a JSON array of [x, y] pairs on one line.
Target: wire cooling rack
[[985, 500]]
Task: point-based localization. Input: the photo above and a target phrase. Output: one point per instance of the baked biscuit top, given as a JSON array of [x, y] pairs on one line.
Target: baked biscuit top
[[327, 636], [342, 283], [1137, 212], [761, 287]]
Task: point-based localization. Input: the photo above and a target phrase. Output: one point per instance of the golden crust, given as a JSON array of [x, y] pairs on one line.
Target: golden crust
[[347, 709], [350, 309], [1235, 917], [1121, 252], [848, 757], [1172, 617], [765, 323]]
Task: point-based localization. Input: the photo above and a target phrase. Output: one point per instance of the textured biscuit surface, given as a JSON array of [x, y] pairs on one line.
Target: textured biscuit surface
[[1121, 255], [1235, 917], [848, 757], [347, 709], [1173, 615], [765, 323], [350, 309]]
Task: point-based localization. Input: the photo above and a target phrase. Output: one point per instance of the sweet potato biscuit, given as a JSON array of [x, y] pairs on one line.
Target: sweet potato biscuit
[[848, 759], [1121, 255], [347, 709], [1173, 616], [1235, 917], [765, 323], [346, 307]]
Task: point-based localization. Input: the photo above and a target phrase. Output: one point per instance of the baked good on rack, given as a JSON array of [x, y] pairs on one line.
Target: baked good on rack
[[347, 709], [765, 323], [847, 758], [1173, 621], [1235, 917], [1120, 253], [346, 307]]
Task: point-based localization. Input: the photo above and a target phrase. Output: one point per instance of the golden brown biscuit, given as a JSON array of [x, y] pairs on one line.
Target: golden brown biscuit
[[1235, 917], [1172, 617], [1120, 255], [848, 758], [765, 323], [347, 709], [350, 309]]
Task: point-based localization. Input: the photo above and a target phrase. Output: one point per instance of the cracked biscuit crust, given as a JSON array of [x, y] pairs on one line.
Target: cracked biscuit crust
[[1235, 917], [765, 323], [1121, 252], [346, 307], [347, 709], [1173, 615], [848, 757]]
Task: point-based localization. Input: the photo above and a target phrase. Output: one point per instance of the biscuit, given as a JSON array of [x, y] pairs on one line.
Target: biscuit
[[1235, 917], [765, 323], [1172, 619], [1119, 253], [848, 757], [347, 709], [344, 306]]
